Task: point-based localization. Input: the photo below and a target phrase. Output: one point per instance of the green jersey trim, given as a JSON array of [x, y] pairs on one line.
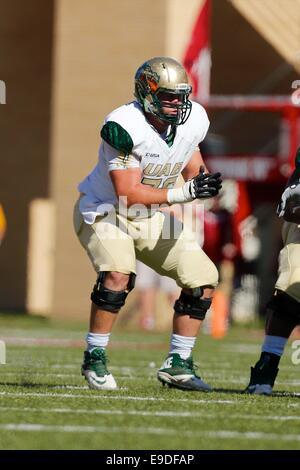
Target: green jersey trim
[[116, 136]]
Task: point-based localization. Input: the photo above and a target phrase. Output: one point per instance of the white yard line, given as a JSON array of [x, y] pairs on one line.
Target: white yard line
[[173, 414], [112, 397], [117, 397], [223, 434], [251, 435]]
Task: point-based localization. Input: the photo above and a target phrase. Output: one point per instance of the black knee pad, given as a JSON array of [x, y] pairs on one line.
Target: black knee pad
[[107, 299], [192, 305], [283, 305]]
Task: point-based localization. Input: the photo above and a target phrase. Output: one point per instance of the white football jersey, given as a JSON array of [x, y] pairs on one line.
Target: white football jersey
[[160, 164]]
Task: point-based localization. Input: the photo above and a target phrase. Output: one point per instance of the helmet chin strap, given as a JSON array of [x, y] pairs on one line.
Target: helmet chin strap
[[154, 110]]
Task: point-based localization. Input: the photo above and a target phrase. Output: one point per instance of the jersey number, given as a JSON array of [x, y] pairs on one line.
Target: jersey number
[[155, 182]]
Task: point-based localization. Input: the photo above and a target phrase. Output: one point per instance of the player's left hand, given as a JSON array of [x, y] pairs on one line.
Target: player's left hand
[[206, 185]]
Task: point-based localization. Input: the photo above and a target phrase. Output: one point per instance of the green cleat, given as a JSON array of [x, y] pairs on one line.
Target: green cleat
[[180, 373], [95, 372]]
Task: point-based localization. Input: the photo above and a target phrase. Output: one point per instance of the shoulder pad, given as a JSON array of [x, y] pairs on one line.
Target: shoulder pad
[[116, 136]]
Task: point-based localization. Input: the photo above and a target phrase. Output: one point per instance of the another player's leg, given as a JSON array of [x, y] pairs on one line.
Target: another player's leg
[[282, 317], [283, 313], [108, 297], [178, 370]]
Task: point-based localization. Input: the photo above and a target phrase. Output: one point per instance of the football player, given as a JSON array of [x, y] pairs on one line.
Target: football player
[[283, 310], [145, 145]]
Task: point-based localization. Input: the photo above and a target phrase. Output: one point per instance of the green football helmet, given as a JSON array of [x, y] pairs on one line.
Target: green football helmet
[[163, 74]]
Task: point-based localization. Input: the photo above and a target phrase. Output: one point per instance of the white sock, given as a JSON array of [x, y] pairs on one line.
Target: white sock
[[182, 345], [97, 340], [274, 344]]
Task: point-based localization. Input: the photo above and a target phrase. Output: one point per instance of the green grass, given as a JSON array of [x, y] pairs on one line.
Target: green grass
[[45, 404]]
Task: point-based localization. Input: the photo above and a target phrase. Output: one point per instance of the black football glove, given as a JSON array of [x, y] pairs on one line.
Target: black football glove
[[206, 185]]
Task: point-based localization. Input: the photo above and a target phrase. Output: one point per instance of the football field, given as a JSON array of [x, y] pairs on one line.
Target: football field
[[45, 403]]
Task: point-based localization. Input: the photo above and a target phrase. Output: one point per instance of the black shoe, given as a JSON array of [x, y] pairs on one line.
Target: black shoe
[[263, 375]]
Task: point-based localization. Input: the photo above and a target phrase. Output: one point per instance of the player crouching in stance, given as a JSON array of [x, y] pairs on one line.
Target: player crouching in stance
[[145, 145], [283, 310]]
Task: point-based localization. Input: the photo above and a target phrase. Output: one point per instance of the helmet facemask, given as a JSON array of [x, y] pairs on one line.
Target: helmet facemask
[[164, 75]]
